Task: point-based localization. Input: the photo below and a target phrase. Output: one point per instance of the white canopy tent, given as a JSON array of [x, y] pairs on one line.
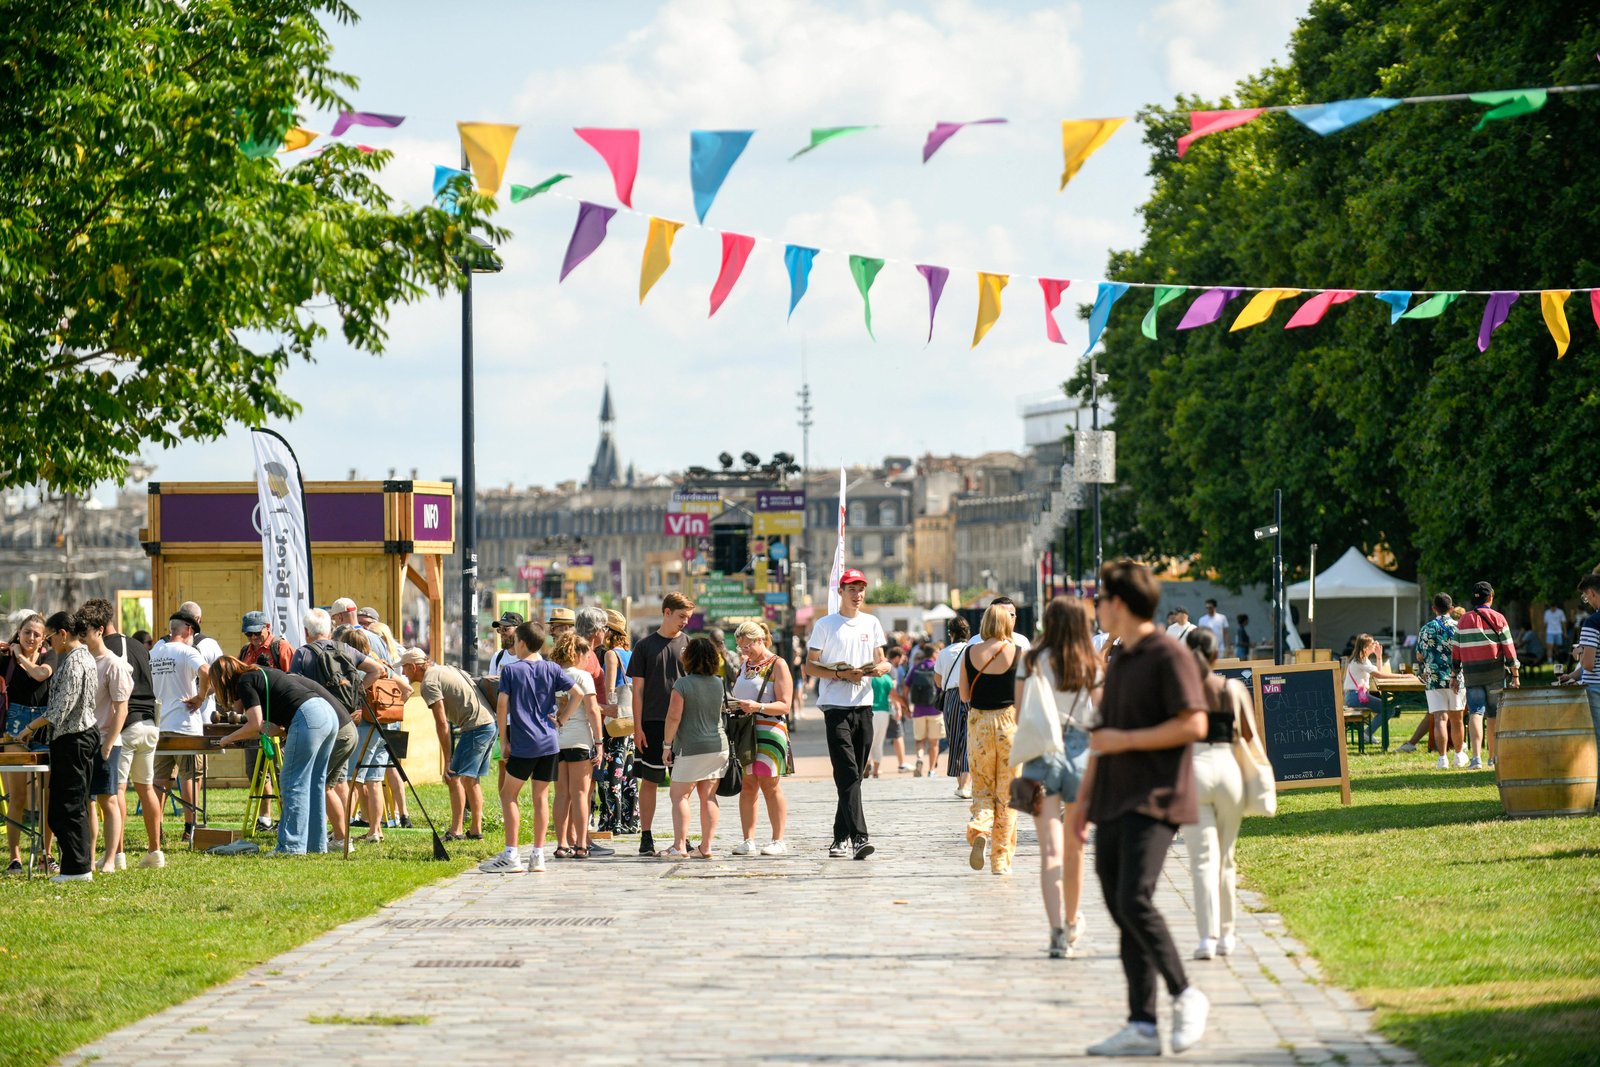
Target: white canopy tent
[[939, 612], [1351, 596]]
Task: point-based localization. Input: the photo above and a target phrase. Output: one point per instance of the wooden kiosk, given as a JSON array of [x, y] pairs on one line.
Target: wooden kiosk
[[369, 540]]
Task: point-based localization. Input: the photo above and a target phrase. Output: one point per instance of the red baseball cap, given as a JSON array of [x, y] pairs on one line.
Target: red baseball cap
[[850, 576]]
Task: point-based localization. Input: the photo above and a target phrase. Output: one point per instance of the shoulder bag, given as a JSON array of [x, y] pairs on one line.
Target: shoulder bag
[[741, 728], [621, 724], [732, 783], [1038, 721], [385, 701], [1255, 770]]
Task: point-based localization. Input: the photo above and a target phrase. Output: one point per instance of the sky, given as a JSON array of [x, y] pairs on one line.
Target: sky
[[686, 387]]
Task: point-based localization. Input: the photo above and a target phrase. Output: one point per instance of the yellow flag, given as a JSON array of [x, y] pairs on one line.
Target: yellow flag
[[488, 146], [989, 286], [1259, 309], [1080, 139], [657, 253], [1553, 301], [298, 137]]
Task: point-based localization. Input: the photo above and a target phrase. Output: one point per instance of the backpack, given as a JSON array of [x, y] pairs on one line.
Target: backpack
[[337, 677], [922, 687]]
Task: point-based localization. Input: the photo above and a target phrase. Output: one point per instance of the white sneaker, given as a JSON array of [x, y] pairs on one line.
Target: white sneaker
[[747, 847], [840, 849], [775, 848], [503, 862], [122, 861], [155, 858], [1128, 1041], [536, 861], [1075, 931], [1461, 760], [975, 861], [1407, 747], [1189, 1011], [1206, 950], [86, 876], [1226, 945], [1444, 763], [965, 794]]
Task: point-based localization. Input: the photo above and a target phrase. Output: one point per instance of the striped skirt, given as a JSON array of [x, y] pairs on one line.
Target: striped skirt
[[955, 731], [772, 748]]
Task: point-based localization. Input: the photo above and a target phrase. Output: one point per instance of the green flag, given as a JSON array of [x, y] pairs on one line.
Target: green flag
[[864, 269], [520, 193], [1165, 294], [1432, 307], [823, 134], [1509, 103]]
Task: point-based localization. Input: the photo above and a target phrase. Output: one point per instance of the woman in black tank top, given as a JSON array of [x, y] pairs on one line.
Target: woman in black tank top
[[988, 683]]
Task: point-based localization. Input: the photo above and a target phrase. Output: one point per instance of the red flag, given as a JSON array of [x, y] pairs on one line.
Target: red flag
[[1053, 288], [1310, 313], [735, 250], [1202, 123], [620, 150]]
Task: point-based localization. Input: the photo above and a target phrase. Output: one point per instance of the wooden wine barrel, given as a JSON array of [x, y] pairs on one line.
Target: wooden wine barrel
[[1545, 752]]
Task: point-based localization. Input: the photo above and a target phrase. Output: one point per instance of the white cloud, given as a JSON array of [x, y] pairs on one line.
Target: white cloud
[[1208, 45]]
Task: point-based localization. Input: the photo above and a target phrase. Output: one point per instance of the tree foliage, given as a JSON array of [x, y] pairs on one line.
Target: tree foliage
[[887, 592], [1463, 465], [155, 281]]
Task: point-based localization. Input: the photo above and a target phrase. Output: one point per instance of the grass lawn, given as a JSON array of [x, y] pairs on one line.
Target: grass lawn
[[1474, 937], [80, 960]]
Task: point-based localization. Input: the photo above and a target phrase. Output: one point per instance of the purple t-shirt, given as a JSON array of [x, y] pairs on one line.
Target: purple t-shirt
[[530, 688]]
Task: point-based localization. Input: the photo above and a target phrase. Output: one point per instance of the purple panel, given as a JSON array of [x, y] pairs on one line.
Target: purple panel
[[229, 517], [584, 560], [779, 500], [431, 517]]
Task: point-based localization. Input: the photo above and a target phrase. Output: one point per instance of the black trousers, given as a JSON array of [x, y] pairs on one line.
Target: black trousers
[[71, 761], [1129, 852], [849, 733]]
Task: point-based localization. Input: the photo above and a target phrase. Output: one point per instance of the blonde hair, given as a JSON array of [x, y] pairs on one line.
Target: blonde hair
[[565, 653], [753, 631], [996, 624], [383, 631]]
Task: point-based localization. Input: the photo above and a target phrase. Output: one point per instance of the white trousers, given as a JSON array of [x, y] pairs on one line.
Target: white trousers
[[1219, 789], [880, 730]]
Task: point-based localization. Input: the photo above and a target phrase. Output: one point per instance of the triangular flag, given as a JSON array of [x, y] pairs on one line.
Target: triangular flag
[[1509, 103], [1165, 294], [1495, 312], [488, 147], [297, 138], [519, 193], [657, 253], [587, 234], [943, 131], [265, 142], [1080, 139], [620, 150], [1207, 308], [936, 277], [1553, 302], [1310, 313], [735, 252], [1398, 300], [864, 269], [1204, 123], [348, 119], [1108, 293], [1340, 114], [1053, 288], [441, 182], [1594, 298], [989, 286], [712, 153], [1259, 309], [797, 261], [1432, 307], [823, 134]]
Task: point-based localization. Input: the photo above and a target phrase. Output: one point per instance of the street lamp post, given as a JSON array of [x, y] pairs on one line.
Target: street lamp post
[[479, 260]]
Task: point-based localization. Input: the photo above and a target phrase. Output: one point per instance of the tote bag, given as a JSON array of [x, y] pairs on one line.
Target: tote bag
[[1038, 722], [1260, 788]]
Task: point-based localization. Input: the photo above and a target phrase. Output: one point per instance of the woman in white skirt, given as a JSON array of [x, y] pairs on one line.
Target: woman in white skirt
[[1219, 791], [696, 746]]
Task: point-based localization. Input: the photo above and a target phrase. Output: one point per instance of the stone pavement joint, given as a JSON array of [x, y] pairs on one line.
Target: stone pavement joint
[[908, 957]]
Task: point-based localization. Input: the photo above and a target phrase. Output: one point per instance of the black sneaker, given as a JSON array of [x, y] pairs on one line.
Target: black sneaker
[[647, 844], [863, 850], [600, 850], [188, 833], [840, 849], [362, 823], [263, 823], [473, 837], [15, 867], [405, 822], [51, 866]]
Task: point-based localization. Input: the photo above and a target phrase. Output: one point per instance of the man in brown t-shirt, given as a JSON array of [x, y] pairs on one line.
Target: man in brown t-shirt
[[1140, 785]]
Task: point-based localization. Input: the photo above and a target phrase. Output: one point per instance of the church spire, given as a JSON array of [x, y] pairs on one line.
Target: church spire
[[606, 470]]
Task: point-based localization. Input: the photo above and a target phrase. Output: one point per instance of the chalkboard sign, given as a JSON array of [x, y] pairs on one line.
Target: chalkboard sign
[[1301, 720]]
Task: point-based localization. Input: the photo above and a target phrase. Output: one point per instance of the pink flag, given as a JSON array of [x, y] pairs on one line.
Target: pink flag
[[735, 250], [348, 119], [1207, 308], [943, 131], [936, 277], [1594, 294], [620, 150], [1310, 313], [1053, 288], [1202, 123]]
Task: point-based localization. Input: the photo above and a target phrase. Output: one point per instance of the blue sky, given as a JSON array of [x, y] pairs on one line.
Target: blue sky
[[686, 388]]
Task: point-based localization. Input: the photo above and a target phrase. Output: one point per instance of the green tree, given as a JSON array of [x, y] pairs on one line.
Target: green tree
[[155, 279], [886, 592], [1405, 438]]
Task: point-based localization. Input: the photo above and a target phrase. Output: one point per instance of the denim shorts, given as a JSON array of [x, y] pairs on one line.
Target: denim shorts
[[18, 716], [103, 775], [371, 758], [471, 756], [1481, 700], [1061, 773]]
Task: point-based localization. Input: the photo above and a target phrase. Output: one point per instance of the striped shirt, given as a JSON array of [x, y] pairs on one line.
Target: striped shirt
[[1589, 637], [1482, 648]]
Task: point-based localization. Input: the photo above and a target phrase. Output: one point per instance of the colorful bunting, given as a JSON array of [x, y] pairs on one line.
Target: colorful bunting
[[297, 138], [712, 153], [797, 261], [864, 269], [1398, 300], [441, 190], [1553, 303], [735, 253], [657, 253], [989, 286], [1207, 308], [519, 193], [1080, 139], [263, 143], [936, 277], [620, 150], [488, 147], [1109, 293], [1432, 307], [1053, 288], [1495, 313], [943, 131], [1509, 103], [1259, 309], [348, 119], [823, 134], [1340, 114], [1205, 123], [587, 235], [1594, 305], [1310, 313], [1164, 294]]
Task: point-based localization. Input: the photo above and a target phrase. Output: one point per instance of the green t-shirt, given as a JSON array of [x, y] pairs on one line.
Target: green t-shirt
[[700, 729], [882, 686]]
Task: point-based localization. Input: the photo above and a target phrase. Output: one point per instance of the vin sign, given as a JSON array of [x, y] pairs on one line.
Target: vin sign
[[1300, 717]]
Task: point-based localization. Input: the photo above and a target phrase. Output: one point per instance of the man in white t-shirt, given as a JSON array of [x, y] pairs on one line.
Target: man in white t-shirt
[[1217, 623], [1555, 633], [506, 627], [175, 669], [1180, 624], [845, 651]]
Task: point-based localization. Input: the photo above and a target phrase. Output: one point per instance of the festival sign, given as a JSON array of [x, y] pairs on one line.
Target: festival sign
[[779, 523], [1300, 718], [685, 524]]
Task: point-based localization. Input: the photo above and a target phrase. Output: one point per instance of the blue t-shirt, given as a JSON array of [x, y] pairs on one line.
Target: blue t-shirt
[[530, 688]]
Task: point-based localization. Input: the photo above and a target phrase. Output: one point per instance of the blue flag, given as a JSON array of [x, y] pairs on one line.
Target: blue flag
[[441, 178], [1398, 300], [797, 259], [1331, 118], [712, 153], [1110, 293]]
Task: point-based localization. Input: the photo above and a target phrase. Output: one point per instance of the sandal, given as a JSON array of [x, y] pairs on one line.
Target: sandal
[[698, 855], [371, 838], [673, 853], [563, 853], [581, 852], [452, 836]]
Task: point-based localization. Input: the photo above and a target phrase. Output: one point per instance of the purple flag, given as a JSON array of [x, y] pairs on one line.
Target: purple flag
[[943, 131], [586, 235], [1494, 315], [1207, 308], [936, 278], [348, 119]]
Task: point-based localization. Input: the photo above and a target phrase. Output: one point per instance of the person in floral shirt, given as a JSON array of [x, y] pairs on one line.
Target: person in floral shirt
[[1445, 705]]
